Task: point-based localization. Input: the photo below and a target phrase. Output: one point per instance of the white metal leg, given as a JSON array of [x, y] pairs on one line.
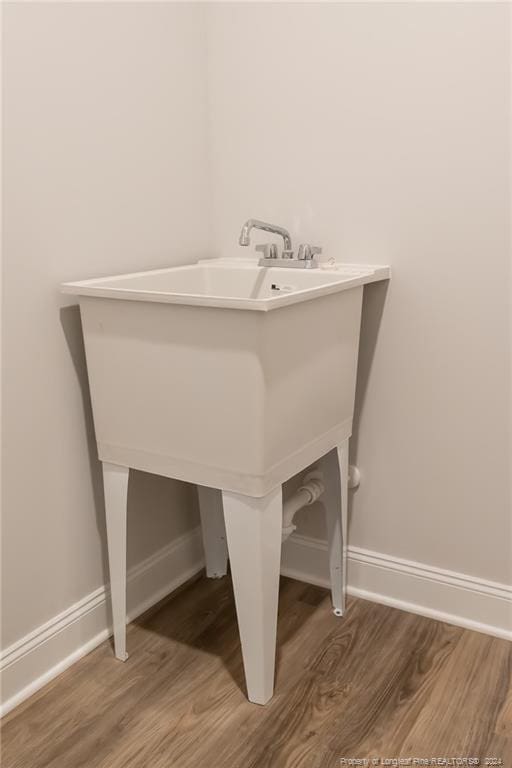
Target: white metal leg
[[335, 498], [115, 482], [253, 528], [213, 530]]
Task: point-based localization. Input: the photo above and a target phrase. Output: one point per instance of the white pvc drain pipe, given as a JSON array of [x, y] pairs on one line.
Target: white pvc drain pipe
[[309, 492]]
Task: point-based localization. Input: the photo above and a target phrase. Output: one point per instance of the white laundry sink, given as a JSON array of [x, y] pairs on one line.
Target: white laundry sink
[[223, 373], [234, 377]]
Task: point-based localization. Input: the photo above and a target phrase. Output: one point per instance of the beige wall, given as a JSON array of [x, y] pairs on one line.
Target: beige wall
[[381, 131], [378, 131], [105, 171]]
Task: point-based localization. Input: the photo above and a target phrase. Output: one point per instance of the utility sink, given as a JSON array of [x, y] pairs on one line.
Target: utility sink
[[234, 377], [223, 373]]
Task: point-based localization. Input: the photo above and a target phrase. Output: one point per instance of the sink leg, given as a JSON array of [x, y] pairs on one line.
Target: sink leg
[[335, 498], [253, 527], [115, 483], [213, 530]]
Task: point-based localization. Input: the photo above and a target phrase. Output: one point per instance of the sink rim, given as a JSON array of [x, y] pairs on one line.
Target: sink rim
[[344, 276]]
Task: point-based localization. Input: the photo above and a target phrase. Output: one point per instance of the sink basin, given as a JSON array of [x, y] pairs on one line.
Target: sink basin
[[223, 373], [228, 283]]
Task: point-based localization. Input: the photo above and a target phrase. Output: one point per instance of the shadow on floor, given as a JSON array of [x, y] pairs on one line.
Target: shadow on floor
[[212, 629]]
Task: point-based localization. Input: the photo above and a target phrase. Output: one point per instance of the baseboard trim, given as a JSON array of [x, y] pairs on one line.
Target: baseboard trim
[[456, 598], [34, 660]]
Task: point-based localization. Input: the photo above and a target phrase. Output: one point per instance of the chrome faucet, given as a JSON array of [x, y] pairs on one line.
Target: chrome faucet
[[306, 256], [245, 239]]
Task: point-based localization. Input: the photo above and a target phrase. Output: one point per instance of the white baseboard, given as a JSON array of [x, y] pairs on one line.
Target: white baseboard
[[43, 654], [455, 598], [458, 599]]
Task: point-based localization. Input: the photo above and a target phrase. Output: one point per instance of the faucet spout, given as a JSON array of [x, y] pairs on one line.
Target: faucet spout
[[245, 238]]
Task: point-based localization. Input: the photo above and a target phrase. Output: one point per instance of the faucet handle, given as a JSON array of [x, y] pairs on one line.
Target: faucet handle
[[269, 250], [307, 252]]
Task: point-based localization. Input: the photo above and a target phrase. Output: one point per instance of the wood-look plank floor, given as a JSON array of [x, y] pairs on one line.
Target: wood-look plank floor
[[378, 683]]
